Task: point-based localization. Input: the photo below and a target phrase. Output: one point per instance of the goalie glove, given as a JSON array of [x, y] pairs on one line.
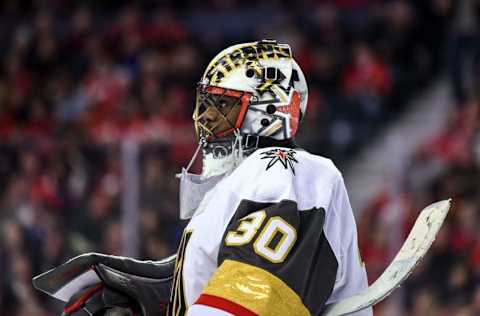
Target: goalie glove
[[96, 283], [151, 296], [98, 300]]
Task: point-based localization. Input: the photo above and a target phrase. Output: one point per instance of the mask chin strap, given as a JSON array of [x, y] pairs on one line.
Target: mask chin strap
[[237, 149], [244, 145]]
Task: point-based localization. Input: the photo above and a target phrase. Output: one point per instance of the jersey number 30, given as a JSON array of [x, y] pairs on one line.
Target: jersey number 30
[[273, 243]]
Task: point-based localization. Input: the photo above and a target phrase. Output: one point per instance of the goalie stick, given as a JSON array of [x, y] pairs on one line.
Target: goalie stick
[[413, 250]]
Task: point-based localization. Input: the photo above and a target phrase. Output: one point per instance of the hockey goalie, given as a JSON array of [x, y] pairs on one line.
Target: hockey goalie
[[271, 230]]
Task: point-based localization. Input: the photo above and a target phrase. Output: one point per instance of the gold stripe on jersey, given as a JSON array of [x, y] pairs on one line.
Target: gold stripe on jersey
[[255, 289], [178, 302]]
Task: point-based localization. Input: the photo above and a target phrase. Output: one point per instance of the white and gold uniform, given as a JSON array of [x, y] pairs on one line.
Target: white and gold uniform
[[276, 236]]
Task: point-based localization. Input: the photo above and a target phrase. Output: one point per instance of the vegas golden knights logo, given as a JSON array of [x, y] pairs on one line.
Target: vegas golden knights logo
[[285, 157]]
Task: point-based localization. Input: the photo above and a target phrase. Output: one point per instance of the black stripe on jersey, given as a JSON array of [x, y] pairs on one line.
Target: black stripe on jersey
[[310, 267]]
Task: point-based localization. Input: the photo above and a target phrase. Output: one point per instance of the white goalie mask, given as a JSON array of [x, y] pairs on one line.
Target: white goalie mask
[[267, 82], [250, 94]]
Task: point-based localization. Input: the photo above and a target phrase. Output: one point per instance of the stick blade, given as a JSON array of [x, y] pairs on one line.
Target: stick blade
[[413, 250]]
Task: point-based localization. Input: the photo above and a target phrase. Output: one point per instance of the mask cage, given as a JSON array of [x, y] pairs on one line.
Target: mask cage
[[223, 101]]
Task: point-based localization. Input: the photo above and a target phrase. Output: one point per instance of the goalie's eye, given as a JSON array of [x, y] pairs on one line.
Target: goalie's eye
[[226, 102]]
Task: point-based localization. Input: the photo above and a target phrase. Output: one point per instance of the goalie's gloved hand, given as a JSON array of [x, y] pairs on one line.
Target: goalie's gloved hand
[[146, 284], [151, 296], [98, 300]]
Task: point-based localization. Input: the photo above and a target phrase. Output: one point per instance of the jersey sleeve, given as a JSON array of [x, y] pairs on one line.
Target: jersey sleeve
[[274, 259], [341, 231]]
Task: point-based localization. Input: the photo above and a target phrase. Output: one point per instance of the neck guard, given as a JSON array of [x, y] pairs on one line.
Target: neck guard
[[220, 158]]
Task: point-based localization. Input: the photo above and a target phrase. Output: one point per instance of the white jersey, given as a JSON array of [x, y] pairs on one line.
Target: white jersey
[[277, 236]]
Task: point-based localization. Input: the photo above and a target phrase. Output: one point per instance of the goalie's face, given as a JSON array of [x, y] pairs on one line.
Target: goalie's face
[[219, 112]]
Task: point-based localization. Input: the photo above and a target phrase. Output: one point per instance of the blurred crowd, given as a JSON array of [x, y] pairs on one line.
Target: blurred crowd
[[80, 78], [447, 283], [446, 166]]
